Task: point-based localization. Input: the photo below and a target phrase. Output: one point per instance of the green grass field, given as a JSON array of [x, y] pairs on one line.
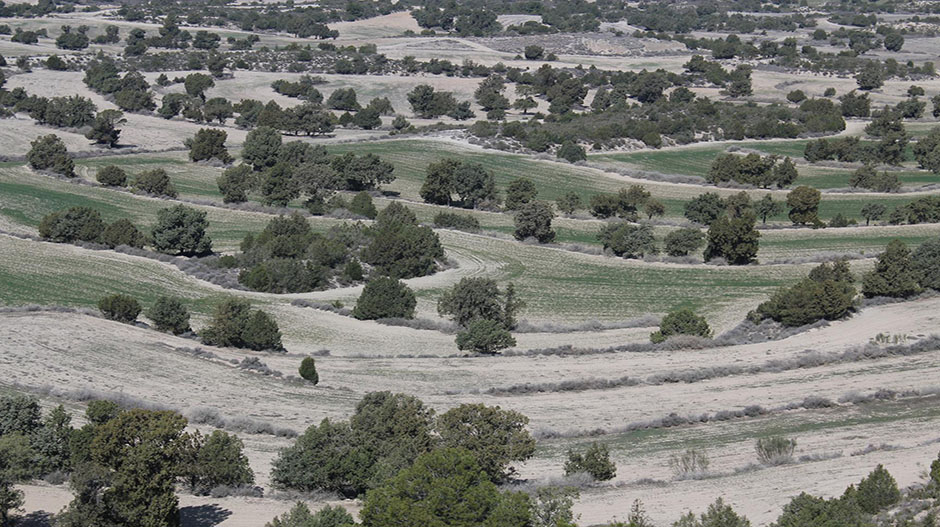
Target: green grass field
[[693, 160]]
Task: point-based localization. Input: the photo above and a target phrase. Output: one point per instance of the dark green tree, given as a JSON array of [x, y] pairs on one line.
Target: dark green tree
[[438, 184], [181, 230], [343, 99], [278, 186], [894, 274], [471, 299], [141, 452], [734, 239], [235, 324], [122, 232], [216, 460], [683, 241], [571, 152], [485, 336], [569, 202], [494, 437], [196, 85], [877, 491], [384, 297], [48, 152], [926, 262], [104, 129], [519, 192], [534, 220], [704, 208], [767, 207], [208, 143], [236, 182], [803, 202], [443, 487], [362, 205], [308, 370], [261, 146], [682, 321], [873, 211]]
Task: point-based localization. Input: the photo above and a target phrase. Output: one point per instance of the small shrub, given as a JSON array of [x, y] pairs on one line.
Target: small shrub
[[594, 461], [689, 463], [681, 322], [155, 182], [452, 220], [121, 308], [169, 315], [308, 370], [485, 336], [112, 176], [775, 450]]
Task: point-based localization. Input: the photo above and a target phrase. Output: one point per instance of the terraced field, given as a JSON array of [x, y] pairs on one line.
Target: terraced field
[[582, 369]]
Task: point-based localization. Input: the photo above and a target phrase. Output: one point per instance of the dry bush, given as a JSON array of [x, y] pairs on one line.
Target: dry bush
[[775, 450], [689, 464]]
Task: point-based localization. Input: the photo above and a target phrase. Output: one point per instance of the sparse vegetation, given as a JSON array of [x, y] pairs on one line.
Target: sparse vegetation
[[775, 450]]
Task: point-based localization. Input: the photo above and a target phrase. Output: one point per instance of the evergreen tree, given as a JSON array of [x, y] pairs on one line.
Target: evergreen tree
[[894, 274]]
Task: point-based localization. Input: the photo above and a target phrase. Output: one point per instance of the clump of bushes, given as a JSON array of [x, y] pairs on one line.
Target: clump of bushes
[[235, 324], [827, 294], [627, 239], [388, 432], [594, 461], [76, 224], [121, 308], [486, 314], [48, 152]]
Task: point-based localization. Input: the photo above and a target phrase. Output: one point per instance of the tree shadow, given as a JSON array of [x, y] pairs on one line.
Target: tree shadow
[[35, 519], [203, 515]]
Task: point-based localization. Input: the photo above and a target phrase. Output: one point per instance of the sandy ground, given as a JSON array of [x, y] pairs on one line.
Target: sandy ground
[[145, 364]]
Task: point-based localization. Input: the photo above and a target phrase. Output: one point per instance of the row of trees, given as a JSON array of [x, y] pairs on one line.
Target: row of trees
[[752, 169], [179, 230], [283, 172]]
